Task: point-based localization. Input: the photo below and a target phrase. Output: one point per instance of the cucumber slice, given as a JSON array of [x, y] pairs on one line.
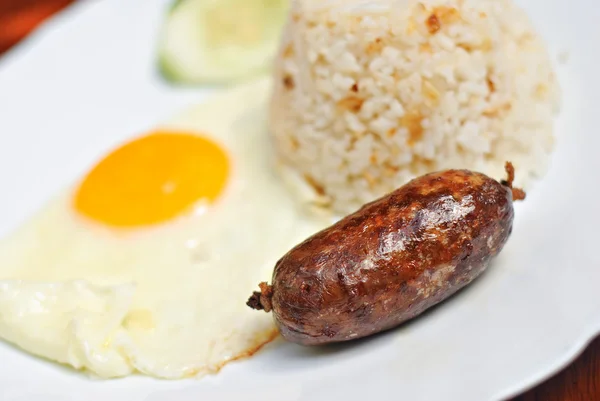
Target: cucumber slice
[[218, 41]]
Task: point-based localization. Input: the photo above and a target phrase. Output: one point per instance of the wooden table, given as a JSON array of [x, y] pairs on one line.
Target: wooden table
[[579, 382]]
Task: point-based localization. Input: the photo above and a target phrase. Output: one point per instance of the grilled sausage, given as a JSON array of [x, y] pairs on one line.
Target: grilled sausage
[[392, 259]]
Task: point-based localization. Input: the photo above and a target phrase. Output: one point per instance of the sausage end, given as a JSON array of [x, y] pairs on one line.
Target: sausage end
[[517, 193], [261, 300]]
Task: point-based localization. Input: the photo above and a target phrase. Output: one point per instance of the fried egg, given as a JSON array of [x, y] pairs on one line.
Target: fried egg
[[145, 264]]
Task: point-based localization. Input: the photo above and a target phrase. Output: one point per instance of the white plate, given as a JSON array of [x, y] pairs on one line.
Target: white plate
[[86, 80]]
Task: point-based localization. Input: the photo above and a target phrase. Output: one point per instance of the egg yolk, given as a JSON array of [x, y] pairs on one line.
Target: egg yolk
[[153, 179]]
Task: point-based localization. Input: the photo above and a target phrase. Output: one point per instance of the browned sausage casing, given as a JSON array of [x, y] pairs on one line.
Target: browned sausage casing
[[392, 259]]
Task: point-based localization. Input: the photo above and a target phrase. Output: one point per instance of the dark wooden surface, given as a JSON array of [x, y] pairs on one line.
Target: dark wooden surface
[[579, 382], [19, 17]]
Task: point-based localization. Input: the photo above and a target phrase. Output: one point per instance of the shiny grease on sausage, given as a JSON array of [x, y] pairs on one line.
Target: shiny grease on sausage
[[392, 259]]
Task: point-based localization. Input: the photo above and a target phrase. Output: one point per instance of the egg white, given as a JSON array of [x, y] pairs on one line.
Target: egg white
[[168, 300]]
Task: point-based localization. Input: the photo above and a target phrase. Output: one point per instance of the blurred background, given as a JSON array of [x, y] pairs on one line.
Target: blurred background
[[19, 17], [579, 382]]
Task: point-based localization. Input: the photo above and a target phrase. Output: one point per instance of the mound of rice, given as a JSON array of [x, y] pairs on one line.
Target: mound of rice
[[370, 94]]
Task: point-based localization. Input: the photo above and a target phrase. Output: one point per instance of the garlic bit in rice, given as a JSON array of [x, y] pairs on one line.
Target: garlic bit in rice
[[370, 94]]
